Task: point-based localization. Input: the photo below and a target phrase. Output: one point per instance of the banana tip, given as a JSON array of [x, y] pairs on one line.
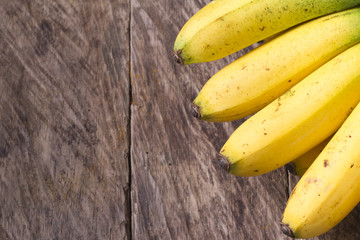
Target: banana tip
[[177, 56], [290, 167], [286, 230], [224, 162], [195, 111]]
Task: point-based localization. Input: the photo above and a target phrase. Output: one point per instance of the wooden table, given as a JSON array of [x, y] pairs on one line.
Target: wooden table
[[96, 136]]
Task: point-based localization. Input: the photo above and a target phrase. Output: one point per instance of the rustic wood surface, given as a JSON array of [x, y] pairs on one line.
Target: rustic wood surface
[[96, 136]]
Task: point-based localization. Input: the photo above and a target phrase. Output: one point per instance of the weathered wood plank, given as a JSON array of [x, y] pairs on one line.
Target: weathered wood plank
[[64, 115], [178, 189]]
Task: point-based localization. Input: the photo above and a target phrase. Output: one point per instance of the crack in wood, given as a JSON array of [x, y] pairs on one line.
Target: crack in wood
[[128, 193]]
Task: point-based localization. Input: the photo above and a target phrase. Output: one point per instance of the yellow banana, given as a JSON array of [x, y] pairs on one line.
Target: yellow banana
[[297, 121], [301, 164], [254, 80], [330, 188], [223, 27]]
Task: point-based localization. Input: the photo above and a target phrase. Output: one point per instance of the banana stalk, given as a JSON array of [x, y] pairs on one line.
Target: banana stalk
[[226, 26], [298, 120]]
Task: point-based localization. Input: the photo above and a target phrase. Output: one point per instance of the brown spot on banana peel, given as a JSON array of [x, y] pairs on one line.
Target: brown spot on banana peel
[[195, 111], [286, 230], [177, 56], [224, 162], [326, 163]]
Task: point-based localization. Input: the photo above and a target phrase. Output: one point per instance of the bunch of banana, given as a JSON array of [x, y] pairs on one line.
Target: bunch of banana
[[300, 89]]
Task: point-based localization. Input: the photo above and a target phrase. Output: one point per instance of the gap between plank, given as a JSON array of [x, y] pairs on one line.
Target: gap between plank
[[129, 198]]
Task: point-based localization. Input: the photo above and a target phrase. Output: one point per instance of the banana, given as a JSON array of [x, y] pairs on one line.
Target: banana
[[223, 27], [254, 80], [298, 120], [330, 188], [301, 164]]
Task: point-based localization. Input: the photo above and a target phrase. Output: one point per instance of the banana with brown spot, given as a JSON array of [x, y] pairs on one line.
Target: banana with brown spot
[[225, 26], [254, 80], [316, 207], [297, 121]]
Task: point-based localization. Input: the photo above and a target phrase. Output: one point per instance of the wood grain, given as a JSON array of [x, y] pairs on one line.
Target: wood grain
[[64, 116]]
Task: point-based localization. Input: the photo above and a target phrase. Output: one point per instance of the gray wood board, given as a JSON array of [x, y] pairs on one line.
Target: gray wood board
[[178, 188], [64, 119]]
